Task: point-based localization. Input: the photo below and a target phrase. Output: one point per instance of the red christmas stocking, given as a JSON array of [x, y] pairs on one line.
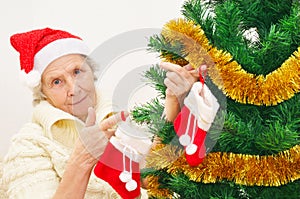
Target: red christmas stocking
[[194, 120], [119, 164], [120, 171]]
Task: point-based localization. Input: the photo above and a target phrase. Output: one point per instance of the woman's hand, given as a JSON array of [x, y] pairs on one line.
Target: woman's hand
[[90, 145], [94, 137], [179, 80]]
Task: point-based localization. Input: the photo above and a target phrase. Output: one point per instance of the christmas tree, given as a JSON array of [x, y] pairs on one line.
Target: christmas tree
[[252, 52]]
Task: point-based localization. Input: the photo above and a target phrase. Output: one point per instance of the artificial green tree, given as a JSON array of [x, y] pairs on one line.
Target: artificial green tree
[[256, 135]]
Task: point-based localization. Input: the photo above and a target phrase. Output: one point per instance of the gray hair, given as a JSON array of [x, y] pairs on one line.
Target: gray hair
[[39, 96]]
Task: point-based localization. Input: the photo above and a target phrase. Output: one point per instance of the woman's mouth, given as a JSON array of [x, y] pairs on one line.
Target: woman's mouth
[[78, 102]]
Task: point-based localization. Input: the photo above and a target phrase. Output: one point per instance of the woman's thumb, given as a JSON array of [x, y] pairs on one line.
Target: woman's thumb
[[91, 117]]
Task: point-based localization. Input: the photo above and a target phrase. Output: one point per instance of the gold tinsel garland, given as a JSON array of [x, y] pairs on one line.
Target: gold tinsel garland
[[154, 188], [276, 87], [243, 169]]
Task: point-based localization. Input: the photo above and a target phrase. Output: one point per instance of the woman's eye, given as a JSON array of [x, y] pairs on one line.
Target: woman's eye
[[56, 82], [77, 71]]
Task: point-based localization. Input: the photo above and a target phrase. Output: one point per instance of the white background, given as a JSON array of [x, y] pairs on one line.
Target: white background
[[93, 20]]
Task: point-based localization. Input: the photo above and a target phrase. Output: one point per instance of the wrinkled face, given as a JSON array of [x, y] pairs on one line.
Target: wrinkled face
[[68, 83]]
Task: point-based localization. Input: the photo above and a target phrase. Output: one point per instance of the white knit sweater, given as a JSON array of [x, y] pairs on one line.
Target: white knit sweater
[[36, 159]]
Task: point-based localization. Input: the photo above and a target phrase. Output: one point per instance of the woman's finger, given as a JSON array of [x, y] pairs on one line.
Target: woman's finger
[[175, 77], [110, 122], [169, 66], [203, 68], [91, 117], [184, 73], [188, 67]]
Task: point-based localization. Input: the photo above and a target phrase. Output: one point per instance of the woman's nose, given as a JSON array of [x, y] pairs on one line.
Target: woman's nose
[[72, 87]]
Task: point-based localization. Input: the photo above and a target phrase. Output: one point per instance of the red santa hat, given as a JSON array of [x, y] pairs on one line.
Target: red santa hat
[[38, 48]]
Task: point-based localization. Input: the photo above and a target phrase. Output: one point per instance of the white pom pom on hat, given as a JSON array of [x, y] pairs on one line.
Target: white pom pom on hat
[[31, 79], [38, 48]]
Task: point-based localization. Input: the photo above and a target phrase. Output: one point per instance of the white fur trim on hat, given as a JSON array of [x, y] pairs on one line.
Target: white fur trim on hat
[[57, 49]]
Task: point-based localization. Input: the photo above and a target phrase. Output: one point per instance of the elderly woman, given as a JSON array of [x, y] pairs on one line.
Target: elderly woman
[[53, 156]]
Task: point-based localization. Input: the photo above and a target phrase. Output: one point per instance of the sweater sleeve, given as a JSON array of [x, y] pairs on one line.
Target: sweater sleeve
[[28, 171]]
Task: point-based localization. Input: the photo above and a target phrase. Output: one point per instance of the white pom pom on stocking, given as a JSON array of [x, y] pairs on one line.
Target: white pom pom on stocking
[[110, 168]]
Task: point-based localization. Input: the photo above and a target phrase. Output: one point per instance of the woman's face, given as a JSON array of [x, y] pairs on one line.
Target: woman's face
[[68, 83]]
